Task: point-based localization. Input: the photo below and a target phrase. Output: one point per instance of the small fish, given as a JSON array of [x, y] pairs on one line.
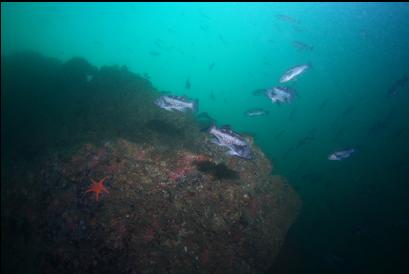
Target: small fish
[[292, 114], [154, 53], [398, 85], [278, 135], [159, 43], [348, 110], [287, 153], [341, 154], [303, 141], [256, 112], [212, 65], [204, 28], [287, 18], [204, 15], [298, 29], [187, 83], [98, 43], [223, 40], [338, 134], [225, 136], [302, 46], [179, 103], [212, 97], [377, 127], [381, 125], [292, 73], [323, 104], [259, 91], [401, 132], [280, 95]]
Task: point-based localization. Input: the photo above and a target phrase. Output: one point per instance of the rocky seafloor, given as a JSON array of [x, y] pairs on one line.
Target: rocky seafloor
[[176, 203]]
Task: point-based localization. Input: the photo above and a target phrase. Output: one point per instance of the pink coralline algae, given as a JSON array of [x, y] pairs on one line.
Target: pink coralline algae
[[185, 164]]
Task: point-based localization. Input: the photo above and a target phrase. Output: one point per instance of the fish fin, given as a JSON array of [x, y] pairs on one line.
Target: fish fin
[[208, 129], [195, 105], [231, 153], [215, 141]]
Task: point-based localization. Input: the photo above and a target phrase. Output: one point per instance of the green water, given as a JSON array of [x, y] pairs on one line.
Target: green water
[[359, 51]]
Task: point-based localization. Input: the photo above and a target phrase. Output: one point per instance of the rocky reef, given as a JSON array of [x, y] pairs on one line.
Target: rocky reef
[[175, 202]]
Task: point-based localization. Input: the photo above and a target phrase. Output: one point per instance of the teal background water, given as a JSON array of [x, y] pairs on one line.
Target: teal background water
[[360, 50]]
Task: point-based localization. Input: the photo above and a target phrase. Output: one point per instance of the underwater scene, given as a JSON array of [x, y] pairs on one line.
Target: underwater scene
[[205, 138]]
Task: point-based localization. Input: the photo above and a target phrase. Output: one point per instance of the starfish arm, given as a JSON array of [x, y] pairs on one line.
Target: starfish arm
[[104, 189], [97, 194], [88, 190]]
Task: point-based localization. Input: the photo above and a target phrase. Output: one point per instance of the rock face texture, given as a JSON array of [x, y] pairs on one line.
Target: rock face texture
[[175, 202]]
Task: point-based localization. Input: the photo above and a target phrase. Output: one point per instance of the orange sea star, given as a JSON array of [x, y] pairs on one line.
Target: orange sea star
[[97, 187]]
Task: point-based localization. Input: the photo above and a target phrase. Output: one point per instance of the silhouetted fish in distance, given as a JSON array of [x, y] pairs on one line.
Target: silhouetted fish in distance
[[259, 92], [287, 18], [187, 83], [154, 53], [348, 110], [398, 85], [302, 46], [323, 104], [212, 97]]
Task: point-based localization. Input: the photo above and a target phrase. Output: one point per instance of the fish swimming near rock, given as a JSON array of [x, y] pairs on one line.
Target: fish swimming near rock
[[279, 95], [256, 112], [237, 145], [293, 73], [179, 103], [341, 154]]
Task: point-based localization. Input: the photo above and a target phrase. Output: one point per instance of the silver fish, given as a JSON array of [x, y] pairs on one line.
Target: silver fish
[[240, 151], [236, 144], [341, 154], [292, 73], [256, 112], [279, 95], [179, 103]]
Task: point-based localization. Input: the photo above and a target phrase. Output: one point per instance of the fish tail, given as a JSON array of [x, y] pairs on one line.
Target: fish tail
[[195, 105]]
